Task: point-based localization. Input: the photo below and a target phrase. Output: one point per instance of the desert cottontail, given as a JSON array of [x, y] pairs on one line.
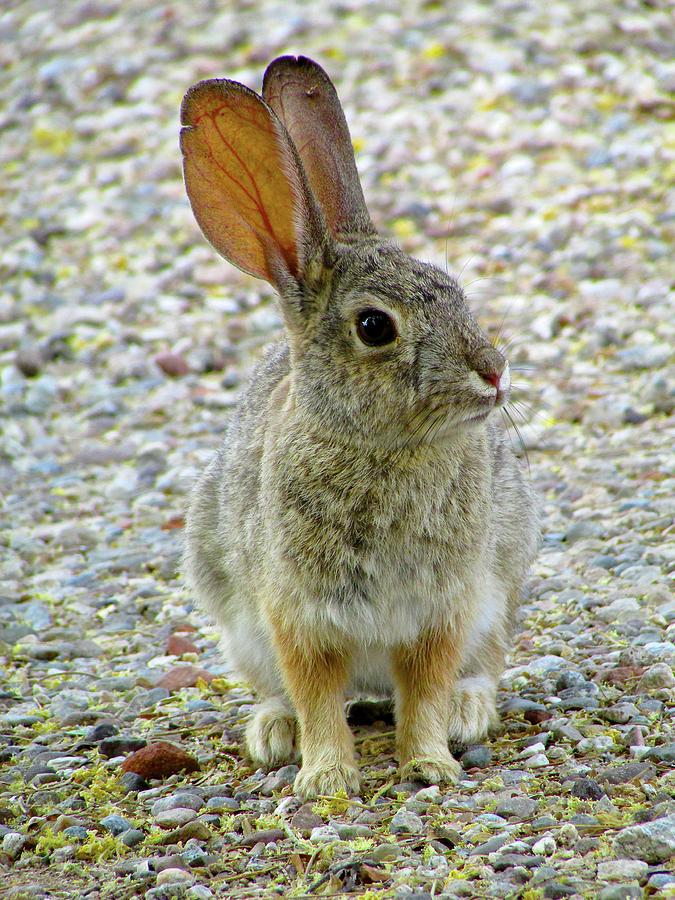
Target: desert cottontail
[[365, 525]]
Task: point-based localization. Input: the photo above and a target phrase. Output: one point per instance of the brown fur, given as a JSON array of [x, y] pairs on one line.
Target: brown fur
[[425, 673], [316, 680], [365, 526]]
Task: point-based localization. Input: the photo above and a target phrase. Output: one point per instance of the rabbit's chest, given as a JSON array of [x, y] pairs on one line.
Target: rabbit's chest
[[383, 564]]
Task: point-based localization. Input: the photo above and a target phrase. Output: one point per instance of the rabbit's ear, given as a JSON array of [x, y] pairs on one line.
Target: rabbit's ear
[[304, 98], [246, 184]]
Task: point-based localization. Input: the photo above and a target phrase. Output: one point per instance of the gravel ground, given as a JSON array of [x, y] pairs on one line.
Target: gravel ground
[[529, 146]]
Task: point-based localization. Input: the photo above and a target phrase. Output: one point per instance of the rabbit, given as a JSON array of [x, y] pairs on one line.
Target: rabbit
[[365, 526]]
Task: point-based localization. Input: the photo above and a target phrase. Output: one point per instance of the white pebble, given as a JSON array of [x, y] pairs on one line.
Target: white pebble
[[545, 846], [538, 761], [174, 876], [531, 750]]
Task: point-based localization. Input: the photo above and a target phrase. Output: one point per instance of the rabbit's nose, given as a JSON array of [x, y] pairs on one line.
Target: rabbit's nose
[[492, 367]]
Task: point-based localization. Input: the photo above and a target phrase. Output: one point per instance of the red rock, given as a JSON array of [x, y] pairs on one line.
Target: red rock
[[177, 645], [620, 675], [173, 523], [159, 760], [172, 363], [535, 716], [184, 626], [183, 676], [373, 874], [266, 836], [305, 819]]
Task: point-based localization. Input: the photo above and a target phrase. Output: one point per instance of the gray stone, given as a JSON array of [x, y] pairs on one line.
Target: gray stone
[[404, 788], [13, 843], [623, 870], [556, 890], [172, 891], [277, 781], [661, 880], [490, 846], [76, 832], [384, 852], [545, 846], [198, 892], [652, 842], [582, 530], [509, 860], [646, 356], [627, 772], [351, 830], [132, 837], [621, 892], [620, 713], [405, 822], [324, 834], [222, 804], [521, 808], [116, 824], [570, 679], [478, 757], [175, 817], [178, 800], [132, 782], [665, 753], [658, 676], [587, 789], [120, 744]]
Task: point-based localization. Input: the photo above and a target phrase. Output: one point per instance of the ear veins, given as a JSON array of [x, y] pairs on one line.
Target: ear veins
[[257, 200], [277, 97]]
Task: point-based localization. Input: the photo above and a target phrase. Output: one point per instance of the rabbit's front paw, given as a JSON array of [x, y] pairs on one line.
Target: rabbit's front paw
[[271, 735], [472, 710], [440, 769], [328, 780]]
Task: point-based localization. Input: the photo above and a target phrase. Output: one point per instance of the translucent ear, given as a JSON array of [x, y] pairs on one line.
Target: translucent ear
[[245, 182], [304, 98]]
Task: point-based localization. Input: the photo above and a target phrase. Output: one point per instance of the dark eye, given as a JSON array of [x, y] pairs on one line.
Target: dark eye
[[375, 328]]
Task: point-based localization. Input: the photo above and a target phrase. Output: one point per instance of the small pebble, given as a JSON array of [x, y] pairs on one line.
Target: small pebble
[[479, 757], [175, 818], [323, 834], [174, 876], [405, 822]]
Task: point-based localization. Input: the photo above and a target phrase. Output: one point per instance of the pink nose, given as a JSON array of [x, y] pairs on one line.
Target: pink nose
[[492, 378]]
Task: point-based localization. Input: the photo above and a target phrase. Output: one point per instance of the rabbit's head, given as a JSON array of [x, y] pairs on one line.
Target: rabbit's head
[[382, 346]]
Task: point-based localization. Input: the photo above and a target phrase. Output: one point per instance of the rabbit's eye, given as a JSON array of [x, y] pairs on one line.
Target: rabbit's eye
[[375, 328]]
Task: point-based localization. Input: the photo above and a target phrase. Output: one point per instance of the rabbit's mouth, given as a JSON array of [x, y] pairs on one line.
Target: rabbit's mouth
[[477, 418]]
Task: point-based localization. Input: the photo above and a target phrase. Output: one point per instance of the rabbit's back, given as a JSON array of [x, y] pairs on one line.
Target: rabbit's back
[[224, 507]]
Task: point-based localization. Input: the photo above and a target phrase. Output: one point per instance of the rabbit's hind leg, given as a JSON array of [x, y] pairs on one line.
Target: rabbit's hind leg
[[473, 698], [271, 734], [473, 709]]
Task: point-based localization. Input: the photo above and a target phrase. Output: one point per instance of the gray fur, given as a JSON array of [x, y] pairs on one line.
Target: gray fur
[[352, 497], [317, 464]]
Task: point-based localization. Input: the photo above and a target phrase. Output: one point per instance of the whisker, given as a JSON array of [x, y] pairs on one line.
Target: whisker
[[480, 278], [411, 437], [430, 421], [417, 420], [506, 347], [496, 338], [435, 428], [532, 413], [520, 437], [461, 271]]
